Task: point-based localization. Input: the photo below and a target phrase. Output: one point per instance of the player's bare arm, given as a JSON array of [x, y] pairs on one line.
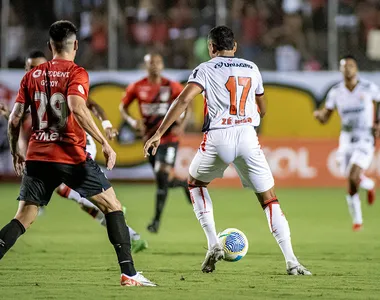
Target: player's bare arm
[[182, 122], [260, 101], [323, 115], [14, 125], [99, 112], [176, 109], [137, 125], [78, 107]]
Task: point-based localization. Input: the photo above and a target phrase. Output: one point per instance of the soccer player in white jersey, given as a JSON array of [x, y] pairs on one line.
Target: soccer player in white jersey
[[354, 100], [231, 87]]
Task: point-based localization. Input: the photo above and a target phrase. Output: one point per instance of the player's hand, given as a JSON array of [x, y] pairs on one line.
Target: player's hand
[[18, 163], [111, 133], [4, 111], [109, 155], [153, 143], [140, 127], [318, 115]]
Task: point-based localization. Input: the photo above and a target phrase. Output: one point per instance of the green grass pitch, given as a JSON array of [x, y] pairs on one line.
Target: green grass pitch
[[66, 254]]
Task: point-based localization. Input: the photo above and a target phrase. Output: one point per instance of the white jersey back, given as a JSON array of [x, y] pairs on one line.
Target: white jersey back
[[230, 85], [355, 107]]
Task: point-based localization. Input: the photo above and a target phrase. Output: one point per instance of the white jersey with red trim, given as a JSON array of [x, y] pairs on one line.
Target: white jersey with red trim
[[229, 85]]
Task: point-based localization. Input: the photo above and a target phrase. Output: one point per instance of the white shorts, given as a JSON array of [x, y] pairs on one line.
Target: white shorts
[[91, 146], [359, 153], [236, 145]]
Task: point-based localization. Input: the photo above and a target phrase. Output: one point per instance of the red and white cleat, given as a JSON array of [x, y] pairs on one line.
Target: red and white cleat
[[136, 280], [357, 227], [371, 196]]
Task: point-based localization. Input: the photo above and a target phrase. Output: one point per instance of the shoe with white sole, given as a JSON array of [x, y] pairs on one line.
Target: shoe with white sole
[[213, 255], [297, 269], [136, 280]]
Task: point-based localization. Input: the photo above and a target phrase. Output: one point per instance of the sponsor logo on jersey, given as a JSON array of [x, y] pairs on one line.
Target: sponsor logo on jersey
[[158, 109], [47, 136], [232, 64], [353, 110], [38, 73]]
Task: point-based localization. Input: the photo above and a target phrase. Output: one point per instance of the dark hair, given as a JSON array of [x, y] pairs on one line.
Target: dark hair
[[349, 56], [222, 37], [36, 54], [59, 32]]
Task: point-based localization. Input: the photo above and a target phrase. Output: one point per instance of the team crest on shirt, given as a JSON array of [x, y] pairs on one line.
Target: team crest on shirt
[[164, 93]]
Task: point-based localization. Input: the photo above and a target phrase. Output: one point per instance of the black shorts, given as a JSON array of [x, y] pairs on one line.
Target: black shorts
[[42, 178], [166, 153]]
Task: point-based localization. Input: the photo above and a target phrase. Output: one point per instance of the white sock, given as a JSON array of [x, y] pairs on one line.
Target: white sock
[[73, 195], [366, 183], [204, 212], [279, 227], [133, 234], [355, 209]]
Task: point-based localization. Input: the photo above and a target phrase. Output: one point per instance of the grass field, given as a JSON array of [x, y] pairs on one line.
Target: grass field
[[66, 254]]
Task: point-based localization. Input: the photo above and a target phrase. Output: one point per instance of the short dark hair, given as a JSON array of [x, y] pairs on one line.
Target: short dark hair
[[59, 32], [222, 37], [36, 54], [349, 56]]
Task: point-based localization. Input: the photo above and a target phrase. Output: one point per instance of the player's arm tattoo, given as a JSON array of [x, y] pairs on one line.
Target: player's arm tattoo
[[96, 109], [14, 125]]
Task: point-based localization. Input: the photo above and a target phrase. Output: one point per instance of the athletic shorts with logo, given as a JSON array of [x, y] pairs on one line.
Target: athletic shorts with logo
[[355, 149], [166, 154], [234, 145], [41, 178]]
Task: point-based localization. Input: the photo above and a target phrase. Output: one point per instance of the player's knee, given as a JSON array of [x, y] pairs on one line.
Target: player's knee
[[354, 178], [192, 182], [162, 177]]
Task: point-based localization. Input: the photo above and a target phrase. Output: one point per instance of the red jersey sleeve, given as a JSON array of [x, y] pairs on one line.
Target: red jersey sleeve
[[79, 84], [130, 95], [22, 96], [177, 89]]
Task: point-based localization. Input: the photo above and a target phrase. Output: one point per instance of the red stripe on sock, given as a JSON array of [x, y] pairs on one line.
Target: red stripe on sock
[[203, 197], [64, 191], [270, 215]]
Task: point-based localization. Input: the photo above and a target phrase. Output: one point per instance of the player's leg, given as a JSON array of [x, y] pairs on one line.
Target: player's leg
[[359, 161], [255, 174], [174, 182], [368, 184], [90, 182], [87, 206], [36, 190], [205, 166], [353, 199], [162, 172], [25, 216]]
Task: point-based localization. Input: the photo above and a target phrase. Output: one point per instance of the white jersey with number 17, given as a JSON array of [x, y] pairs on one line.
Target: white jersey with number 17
[[229, 85]]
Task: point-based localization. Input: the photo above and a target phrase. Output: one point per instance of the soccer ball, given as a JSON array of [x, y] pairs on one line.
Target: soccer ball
[[234, 244]]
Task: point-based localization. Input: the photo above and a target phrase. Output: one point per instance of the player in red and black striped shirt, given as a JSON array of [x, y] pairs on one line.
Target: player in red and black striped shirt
[[155, 94]]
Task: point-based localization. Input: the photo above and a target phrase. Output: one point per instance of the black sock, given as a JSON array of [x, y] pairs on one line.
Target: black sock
[[118, 235], [162, 193], [175, 182], [181, 183], [9, 235]]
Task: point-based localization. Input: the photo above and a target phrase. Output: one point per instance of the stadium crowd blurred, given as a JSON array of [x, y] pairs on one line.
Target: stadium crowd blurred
[[279, 34]]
